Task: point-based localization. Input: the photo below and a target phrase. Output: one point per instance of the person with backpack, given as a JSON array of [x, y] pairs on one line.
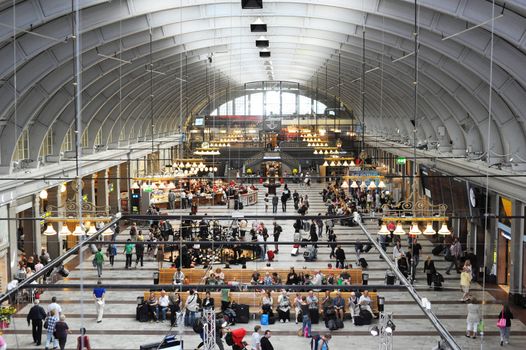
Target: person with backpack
[[111, 252], [98, 261], [320, 342]]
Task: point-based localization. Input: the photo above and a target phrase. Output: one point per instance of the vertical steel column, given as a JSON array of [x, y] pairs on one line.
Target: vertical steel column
[[209, 322], [363, 87]]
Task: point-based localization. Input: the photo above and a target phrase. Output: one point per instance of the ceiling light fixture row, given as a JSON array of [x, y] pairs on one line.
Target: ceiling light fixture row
[[414, 228]]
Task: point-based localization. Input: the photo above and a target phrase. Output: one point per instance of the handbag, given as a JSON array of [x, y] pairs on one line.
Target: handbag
[[501, 323], [480, 327], [46, 324]]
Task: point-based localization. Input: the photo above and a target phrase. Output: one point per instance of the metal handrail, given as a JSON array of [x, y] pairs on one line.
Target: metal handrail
[[56, 262], [430, 314]]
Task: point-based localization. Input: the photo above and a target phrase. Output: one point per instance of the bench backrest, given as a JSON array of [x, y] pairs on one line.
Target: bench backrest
[[195, 276]]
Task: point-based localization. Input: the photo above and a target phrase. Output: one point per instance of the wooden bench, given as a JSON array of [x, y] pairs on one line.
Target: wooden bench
[[253, 299], [195, 276]]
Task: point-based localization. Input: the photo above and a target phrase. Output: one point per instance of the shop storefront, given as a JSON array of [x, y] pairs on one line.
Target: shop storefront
[[504, 235]]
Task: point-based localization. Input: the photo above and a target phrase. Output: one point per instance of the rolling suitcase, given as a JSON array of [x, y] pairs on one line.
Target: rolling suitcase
[[242, 313], [141, 313], [390, 278], [314, 316]]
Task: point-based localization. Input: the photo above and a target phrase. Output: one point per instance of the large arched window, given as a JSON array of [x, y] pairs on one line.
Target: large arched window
[[270, 103]]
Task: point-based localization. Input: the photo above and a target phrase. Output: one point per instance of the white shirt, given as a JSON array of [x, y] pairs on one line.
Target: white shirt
[[318, 279], [256, 339], [56, 307], [164, 301], [364, 300]]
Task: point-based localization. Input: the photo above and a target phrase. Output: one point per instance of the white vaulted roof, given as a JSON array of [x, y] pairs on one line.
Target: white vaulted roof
[[305, 37]]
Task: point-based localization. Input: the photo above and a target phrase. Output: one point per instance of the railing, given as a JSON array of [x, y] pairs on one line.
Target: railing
[[254, 159], [291, 161]]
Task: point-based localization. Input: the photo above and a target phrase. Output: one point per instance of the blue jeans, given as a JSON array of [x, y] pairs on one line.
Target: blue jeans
[[504, 334], [189, 320], [306, 323], [163, 312], [51, 339]]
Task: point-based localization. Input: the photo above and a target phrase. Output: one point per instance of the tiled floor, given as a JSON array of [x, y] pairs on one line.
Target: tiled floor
[[119, 330]]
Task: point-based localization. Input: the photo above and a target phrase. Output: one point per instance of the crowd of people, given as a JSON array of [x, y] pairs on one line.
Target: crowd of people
[[52, 321], [169, 307]]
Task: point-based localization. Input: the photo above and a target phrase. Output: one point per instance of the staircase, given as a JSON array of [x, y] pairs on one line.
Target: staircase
[[276, 156]]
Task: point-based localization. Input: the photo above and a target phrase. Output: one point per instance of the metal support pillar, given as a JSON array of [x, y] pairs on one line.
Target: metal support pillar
[[209, 323]]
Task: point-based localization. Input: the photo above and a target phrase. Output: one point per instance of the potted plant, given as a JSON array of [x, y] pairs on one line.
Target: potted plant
[[5, 316]]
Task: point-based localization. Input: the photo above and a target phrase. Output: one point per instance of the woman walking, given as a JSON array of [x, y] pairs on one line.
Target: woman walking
[[429, 270], [473, 319], [61, 332], [465, 280], [504, 324], [160, 256]]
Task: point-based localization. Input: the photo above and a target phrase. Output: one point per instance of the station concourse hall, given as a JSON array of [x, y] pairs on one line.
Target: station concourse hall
[[262, 174]]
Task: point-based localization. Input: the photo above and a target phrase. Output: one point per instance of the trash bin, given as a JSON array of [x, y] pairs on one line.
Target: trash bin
[[365, 279], [156, 278], [381, 302]]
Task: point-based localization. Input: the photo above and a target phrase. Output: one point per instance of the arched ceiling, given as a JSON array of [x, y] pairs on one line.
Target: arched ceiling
[[306, 39]]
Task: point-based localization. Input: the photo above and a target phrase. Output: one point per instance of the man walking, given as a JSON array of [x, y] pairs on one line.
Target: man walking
[[284, 199], [171, 200], [98, 261], [265, 341], [139, 251], [36, 315], [128, 250], [454, 252], [99, 294], [275, 201], [277, 232], [340, 257]]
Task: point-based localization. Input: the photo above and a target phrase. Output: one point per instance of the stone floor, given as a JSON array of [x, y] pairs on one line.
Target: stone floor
[[119, 330]]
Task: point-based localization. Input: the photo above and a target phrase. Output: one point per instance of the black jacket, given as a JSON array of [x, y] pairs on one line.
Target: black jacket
[[36, 313], [507, 315], [429, 267], [265, 344], [340, 254]]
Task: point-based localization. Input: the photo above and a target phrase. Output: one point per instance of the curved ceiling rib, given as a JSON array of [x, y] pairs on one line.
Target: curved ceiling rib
[[454, 74]]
